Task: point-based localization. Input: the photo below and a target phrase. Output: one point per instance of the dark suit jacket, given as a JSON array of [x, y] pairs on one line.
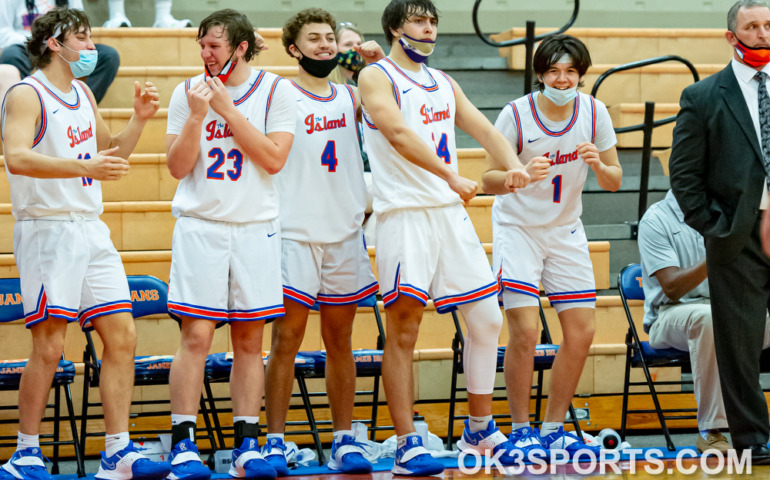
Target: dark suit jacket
[[716, 164]]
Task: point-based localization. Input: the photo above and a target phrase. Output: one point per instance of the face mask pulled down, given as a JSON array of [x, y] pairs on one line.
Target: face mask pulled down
[[418, 51], [317, 68], [560, 97]]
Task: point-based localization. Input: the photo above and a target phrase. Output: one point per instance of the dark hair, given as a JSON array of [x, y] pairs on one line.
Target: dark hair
[[552, 48], [57, 22], [732, 14], [294, 24], [235, 26], [399, 11]]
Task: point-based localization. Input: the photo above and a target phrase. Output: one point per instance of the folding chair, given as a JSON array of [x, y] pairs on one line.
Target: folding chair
[[11, 309], [309, 365], [545, 353], [640, 354], [148, 297]]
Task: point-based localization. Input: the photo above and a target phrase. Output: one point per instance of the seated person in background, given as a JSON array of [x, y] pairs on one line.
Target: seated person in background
[[16, 17], [163, 18], [677, 308], [350, 61]]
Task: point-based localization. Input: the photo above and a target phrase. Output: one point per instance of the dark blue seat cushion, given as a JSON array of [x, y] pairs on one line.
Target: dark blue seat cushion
[[545, 353], [10, 372], [218, 365], [667, 356]]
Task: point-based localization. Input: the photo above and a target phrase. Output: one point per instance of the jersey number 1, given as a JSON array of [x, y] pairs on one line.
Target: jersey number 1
[[556, 189]]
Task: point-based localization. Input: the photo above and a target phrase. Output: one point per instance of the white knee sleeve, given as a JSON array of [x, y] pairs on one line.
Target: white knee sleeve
[[483, 321]]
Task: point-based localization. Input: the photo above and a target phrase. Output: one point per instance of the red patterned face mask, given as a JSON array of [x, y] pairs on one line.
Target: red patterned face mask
[[754, 56], [226, 70]]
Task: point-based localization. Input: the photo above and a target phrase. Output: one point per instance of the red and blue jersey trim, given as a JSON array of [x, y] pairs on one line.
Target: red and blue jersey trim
[[315, 97], [298, 296], [73, 106], [86, 316], [450, 302], [517, 286], [531, 98], [593, 119], [346, 299], [257, 313], [43, 116], [43, 311], [396, 93], [430, 88], [83, 86], [270, 97], [572, 297], [252, 89], [518, 126], [405, 289]]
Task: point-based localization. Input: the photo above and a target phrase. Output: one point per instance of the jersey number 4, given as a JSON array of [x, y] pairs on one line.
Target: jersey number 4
[[87, 182], [442, 150], [219, 159], [329, 156]]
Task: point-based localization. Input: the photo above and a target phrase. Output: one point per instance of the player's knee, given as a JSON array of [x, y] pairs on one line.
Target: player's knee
[[50, 352], [404, 336], [196, 342]]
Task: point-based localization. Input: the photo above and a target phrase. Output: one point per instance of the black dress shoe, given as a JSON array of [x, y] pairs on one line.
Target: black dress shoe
[[760, 455]]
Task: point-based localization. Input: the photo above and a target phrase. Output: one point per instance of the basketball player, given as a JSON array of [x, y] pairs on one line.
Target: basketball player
[[426, 244], [229, 131], [323, 198], [57, 149], [559, 134]]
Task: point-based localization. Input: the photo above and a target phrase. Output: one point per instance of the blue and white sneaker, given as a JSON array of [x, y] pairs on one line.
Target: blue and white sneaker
[[25, 464], [128, 464], [348, 456], [186, 462], [414, 460], [274, 453], [528, 440], [569, 442], [491, 441], [249, 463]]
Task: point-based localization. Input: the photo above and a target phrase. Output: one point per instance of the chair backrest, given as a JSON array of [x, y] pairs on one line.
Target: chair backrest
[[630, 282], [149, 295], [11, 307]]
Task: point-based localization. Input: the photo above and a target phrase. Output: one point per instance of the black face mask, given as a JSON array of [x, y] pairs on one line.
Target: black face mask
[[317, 68]]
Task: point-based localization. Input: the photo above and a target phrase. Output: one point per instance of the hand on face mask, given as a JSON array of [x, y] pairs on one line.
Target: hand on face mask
[[350, 60]]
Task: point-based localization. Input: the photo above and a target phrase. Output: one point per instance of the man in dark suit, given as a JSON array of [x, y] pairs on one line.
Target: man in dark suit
[[718, 175]]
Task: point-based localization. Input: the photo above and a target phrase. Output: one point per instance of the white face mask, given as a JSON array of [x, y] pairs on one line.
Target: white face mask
[[560, 97]]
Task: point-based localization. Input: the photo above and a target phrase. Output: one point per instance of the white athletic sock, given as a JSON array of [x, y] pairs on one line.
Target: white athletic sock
[[162, 10], [548, 428], [117, 8], [27, 441], [251, 420], [177, 419], [519, 426], [115, 443], [275, 435], [477, 424]]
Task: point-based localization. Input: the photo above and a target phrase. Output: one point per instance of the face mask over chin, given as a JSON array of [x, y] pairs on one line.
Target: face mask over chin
[[317, 68], [418, 51], [560, 97], [84, 65], [224, 74], [754, 56]]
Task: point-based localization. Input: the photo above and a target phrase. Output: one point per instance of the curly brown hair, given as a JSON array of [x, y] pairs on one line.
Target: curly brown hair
[[236, 26], [57, 22], [309, 15]]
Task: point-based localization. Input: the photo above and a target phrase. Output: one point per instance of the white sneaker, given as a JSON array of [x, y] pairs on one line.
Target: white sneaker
[[171, 22], [117, 22]]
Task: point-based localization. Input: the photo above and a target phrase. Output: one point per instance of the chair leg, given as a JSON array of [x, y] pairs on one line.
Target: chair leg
[[207, 421], [56, 430], [375, 407], [658, 409], [84, 407], [539, 397], [456, 362], [311, 418], [214, 414], [626, 388], [81, 469]]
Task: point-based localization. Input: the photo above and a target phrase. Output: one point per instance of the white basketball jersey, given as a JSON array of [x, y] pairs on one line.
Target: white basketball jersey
[[67, 129], [225, 185], [555, 200], [321, 187], [429, 110]]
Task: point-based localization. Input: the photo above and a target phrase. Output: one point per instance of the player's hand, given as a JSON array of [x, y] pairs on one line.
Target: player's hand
[[105, 166], [516, 178], [370, 51], [537, 168], [464, 187], [590, 154], [198, 98], [220, 100], [146, 102]]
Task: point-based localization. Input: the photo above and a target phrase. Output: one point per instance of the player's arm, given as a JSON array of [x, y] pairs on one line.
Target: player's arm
[[268, 151], [501, 156], [605, 165], [146, 103], [189, 110], [22, 116], [677, 282], [377, 95]]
